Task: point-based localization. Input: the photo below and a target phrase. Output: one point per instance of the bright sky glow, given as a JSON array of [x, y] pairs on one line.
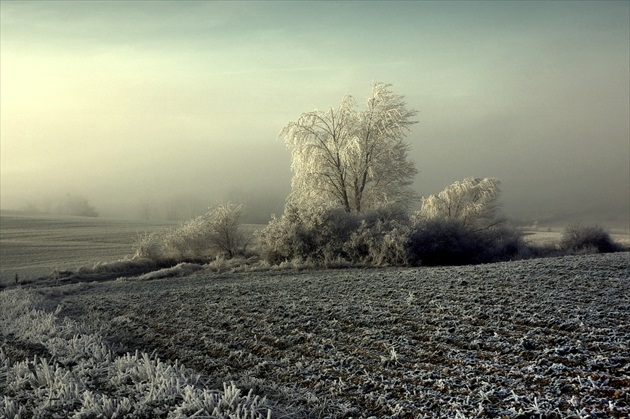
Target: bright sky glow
[[121, 101]]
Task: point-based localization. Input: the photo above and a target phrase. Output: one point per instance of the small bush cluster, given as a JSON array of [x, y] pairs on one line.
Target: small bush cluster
[[379, 242], [217, 233], [313, 234], [451, 242], [384, 237], [461, 225], [580, 238]]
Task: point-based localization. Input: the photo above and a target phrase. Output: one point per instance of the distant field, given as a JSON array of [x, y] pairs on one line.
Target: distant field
[[550, 238], [33, 245]]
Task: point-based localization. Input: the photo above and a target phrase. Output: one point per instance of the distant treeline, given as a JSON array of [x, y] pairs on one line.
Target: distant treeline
[[68, 204]]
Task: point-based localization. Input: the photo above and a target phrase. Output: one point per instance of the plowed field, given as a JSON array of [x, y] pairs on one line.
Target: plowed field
[[519, 339]]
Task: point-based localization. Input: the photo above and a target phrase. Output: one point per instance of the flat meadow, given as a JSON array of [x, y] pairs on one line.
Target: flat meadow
[[532, 338], [33, 245]]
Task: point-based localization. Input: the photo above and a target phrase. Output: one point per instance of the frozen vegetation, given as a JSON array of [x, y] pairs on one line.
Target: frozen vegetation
[[535, 338], [56, 367], [353, 160]]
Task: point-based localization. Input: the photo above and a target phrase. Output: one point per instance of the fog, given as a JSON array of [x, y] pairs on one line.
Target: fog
[[137, 106]]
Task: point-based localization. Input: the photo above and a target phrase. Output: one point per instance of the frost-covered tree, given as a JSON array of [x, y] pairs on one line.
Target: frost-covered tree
[[473, 202], [352, 160], [226, 234]]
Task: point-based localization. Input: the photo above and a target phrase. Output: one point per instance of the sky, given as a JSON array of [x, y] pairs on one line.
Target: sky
[[129, 103]]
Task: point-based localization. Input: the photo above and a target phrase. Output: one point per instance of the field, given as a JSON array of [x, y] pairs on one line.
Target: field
[[536, 338], [34, 245]]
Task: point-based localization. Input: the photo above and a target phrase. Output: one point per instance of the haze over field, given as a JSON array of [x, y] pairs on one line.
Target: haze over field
[[137, 103]]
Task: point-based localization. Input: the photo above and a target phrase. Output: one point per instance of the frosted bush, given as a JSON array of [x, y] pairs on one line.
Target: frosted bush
[[149, 246], [191, 241], [335, 238], [460, 226], [218, 232], [316, 234], [226, 235], [279, 240], [473, 202], [379, 243], [578, 237], [463, 224]]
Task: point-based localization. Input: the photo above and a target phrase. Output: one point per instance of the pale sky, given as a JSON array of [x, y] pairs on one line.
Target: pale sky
[[128, 101]]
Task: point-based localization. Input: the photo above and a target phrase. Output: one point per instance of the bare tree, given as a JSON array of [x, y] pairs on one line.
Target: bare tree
[[353, 160], [473, 201]]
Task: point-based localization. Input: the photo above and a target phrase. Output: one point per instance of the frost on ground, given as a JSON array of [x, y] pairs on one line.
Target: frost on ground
[[52, 367], [536, 338]]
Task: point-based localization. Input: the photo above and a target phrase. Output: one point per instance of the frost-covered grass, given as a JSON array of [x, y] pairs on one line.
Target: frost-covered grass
[[56, 367], [535, 338]]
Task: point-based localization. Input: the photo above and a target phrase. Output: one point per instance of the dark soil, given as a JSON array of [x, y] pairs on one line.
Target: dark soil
[[538, 338]]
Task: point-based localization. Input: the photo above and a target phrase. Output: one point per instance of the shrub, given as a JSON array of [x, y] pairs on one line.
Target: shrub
[[474, 202], [441, 242], [382, 242], [283, 238], [189, 242], [332, 237], [311, 234], [451, 242], [226, 235], [217, 233], [503, 243], [578, 237], [149, 246]]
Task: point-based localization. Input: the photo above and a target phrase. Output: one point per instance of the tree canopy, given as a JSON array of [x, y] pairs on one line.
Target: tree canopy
[[355, 160]]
